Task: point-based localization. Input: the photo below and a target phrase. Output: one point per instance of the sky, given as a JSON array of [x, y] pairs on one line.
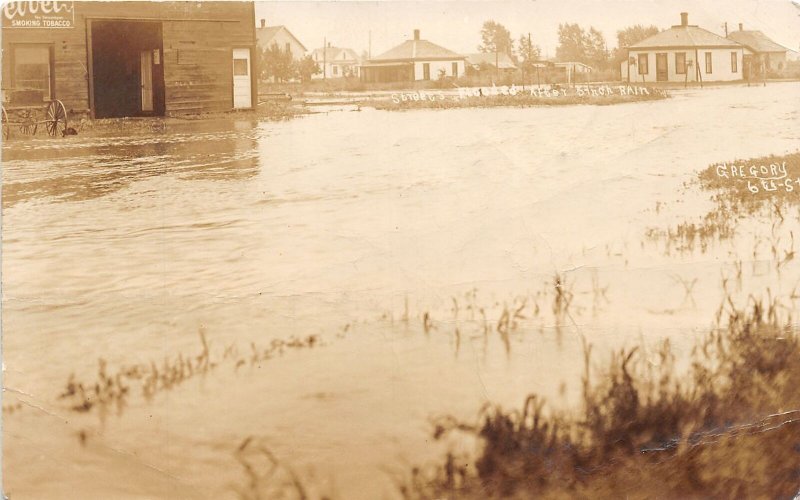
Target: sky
[[457, 25]]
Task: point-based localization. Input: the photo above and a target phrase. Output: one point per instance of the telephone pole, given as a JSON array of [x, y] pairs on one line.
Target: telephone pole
[[324, 58]]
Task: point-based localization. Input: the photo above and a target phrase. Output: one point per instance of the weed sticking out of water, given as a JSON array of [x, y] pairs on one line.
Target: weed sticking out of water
[[266, 476], [727, 428], [112, 389]]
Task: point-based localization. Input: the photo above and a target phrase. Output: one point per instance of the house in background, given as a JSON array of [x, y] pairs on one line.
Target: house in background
[[761, 50], [413, 60], [279, 36], [502, 60], [335, 62], [684, 53]]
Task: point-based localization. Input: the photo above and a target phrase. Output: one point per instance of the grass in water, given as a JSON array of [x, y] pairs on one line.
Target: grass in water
[[729, 428]]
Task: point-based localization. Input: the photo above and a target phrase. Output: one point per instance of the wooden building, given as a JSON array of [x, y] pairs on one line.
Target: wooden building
[[117, 59]]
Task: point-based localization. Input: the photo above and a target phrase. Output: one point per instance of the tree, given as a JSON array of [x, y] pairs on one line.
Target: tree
[[596, 50], [496, 38], [276, 64], [629, 36], [571, 45], [634, 34], [528, 54], [307, 67], [578, 45]]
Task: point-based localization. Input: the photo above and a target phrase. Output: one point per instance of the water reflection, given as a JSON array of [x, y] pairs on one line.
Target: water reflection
[[92, 167]]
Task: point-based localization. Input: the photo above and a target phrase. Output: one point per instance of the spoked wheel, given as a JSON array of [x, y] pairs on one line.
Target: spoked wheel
[[56, 119], [6, 127]]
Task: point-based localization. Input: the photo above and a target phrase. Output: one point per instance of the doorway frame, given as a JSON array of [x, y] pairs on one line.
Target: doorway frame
[[663, 56], [253, 77], [90, 53]]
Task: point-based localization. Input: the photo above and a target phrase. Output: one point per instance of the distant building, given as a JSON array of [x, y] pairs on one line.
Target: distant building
[[501, 59], [413, 60], [335, 62], [792, 56], [684, 53], [280, 36], [761, 49]]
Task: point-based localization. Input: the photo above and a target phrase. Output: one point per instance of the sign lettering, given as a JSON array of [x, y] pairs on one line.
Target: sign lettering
[[39, 14]]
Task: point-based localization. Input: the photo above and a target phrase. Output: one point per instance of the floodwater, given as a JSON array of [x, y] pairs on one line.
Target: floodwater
[[353, 226]]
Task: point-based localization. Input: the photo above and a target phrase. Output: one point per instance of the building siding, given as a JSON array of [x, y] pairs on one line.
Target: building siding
[[435, 67], [720, 62], [205, 32]]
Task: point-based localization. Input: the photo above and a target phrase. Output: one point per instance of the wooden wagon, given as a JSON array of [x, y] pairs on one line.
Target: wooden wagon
[[25, 117]]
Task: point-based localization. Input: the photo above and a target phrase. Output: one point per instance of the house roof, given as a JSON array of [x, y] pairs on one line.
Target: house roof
[[684, 36], [503, 60], [267, 34], [756, 41], [573, 65], [415, 50], [332, 54]]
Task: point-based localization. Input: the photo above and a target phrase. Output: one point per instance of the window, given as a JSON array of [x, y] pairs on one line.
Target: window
[[708, 63], [455, 69], [335, 70], [734, 63], [240, 67], [643, 69], [680, 63], [288, 48], [33, 71], [426, 71]]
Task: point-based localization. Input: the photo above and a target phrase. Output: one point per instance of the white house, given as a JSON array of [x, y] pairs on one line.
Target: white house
[[281, 37], [412, 60], [684, 53], [335, 62]]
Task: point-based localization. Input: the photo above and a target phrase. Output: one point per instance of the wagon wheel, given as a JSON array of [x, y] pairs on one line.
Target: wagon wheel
[[28, 125], [56, 119], [6, 128]]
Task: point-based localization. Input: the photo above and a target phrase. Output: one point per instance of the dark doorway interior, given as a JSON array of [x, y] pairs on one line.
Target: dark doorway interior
[[128, 69]]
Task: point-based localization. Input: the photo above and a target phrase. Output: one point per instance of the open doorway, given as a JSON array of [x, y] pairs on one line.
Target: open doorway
[[127, 69]]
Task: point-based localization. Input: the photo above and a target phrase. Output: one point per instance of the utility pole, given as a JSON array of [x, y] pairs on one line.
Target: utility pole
[[530, 54], [324, 58], [369, 50]]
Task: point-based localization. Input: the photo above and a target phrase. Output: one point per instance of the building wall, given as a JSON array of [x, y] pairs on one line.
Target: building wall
[[203, 33], [720, 65], [340, 65], [281, 39], [436, 66]]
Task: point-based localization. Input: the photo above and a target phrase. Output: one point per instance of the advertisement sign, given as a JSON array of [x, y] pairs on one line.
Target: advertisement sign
[[39, 14]]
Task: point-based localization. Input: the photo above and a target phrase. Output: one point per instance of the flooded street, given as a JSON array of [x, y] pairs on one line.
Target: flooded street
[[389, 236]]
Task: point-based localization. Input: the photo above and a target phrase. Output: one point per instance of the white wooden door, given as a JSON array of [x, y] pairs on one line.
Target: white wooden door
[[146, 77], [242, 97]]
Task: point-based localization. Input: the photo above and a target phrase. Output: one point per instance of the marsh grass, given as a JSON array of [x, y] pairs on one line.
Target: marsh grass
[[729, 427], [739, 196], [112, 389], [523, 100]]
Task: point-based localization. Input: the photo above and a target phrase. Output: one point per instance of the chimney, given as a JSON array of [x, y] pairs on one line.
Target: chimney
[[684, 19], [416, 34], [263, 23], [741, 27]]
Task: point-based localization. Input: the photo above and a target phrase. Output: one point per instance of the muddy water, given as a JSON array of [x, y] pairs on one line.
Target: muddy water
[[342, 225]]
